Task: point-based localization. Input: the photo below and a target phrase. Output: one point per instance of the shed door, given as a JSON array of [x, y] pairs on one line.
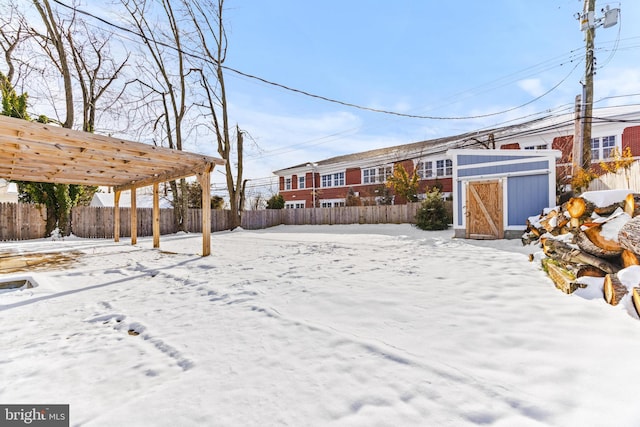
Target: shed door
[[484, 210]]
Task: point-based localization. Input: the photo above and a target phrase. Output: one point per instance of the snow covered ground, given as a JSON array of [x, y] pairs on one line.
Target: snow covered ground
[[379, 325]]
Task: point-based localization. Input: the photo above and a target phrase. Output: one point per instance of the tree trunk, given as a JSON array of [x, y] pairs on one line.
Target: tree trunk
[[594, 246], [610, 248], [590, 271], [629, 235], [559, 250], [614, 290]]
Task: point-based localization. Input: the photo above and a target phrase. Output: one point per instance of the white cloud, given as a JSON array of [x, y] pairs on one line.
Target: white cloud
[[532, 86]]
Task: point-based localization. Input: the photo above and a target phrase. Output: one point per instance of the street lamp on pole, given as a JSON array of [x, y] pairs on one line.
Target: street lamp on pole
[[313, 167]]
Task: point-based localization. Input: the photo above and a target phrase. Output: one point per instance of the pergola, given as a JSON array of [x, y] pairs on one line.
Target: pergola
[[44, 153]]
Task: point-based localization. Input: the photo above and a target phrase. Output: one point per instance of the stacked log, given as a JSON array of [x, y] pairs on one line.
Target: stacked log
[[591, 238]]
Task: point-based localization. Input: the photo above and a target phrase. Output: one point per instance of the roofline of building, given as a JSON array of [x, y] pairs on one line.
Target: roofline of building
[[465, 140]]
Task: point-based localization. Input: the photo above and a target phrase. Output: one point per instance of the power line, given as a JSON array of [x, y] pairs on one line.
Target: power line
[[309, 94]]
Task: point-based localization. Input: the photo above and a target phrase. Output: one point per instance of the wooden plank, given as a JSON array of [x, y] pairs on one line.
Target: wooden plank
[[204, 179], [156, 215], [134, 219], [116, 216], [483, 209]]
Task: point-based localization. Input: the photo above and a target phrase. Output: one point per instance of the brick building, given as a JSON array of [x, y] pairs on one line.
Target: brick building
[[327, 183]]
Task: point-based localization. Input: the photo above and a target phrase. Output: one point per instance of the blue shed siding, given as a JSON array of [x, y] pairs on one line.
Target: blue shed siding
[[464, 160], [527, 196], [504, 168]]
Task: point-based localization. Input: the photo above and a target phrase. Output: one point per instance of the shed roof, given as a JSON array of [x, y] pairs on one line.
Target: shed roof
[[46, 153]]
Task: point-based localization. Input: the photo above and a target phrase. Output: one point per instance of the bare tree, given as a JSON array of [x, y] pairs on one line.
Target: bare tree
[[96, 69], [165, 83], [207, 17], [58, 55], [12, 33]]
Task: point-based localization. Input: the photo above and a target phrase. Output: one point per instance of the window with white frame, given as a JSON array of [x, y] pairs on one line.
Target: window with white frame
[[536, 147], [287, 183], [300, 182], [444, 167], [332, 203], [379, 174], [602, 148], [424, 169], [294, 205], [332, 180]]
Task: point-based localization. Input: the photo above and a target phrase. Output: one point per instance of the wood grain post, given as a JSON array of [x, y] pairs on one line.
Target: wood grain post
[[134, 218], [116, 216], [204, 178], [156, 215]]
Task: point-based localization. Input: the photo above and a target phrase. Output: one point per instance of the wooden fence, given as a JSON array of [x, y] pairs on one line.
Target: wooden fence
[[19, 221], [97, 222], [620, 180], [385, 214]]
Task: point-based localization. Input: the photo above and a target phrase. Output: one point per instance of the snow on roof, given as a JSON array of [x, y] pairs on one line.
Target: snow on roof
[[142, 200]]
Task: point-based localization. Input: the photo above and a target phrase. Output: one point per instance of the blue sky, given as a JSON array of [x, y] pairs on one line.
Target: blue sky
[[454, 58], [447, 59]]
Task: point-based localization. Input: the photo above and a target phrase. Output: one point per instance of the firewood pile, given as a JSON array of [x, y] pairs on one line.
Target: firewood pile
[[592, 240]]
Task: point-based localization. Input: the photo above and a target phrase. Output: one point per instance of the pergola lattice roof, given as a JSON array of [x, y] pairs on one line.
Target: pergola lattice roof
[[46, 153]]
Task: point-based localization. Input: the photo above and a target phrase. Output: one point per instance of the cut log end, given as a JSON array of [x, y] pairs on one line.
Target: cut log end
[[614, 290], [579, 207], [629, 258], [632, 204], [635, 297]]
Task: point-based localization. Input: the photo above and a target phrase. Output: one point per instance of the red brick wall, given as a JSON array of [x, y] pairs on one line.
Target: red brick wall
[[631, 138], [512, 146], [445, 183], [353, 176], [564, 144]]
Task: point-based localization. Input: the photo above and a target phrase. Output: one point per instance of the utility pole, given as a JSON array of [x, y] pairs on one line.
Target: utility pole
[[588, 24], [587, 89]]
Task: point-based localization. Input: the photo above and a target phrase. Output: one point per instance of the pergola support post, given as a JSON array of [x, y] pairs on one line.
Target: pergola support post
[[204, 178], [134, 218], [116, 216], [156, 215]]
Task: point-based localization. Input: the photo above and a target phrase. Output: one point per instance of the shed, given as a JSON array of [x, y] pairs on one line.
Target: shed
[[495, 191]]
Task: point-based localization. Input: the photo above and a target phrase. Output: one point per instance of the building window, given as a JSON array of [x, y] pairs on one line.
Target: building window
[[287, 184], [424, 169], [373, 175], [294, 205], [300, 182], [332, 180], [332, 203], [601, 148], [536, 147], [444, 167], [608, 144]]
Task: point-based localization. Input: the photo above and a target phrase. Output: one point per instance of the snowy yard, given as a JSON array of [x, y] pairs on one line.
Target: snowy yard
[[381, 325]]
